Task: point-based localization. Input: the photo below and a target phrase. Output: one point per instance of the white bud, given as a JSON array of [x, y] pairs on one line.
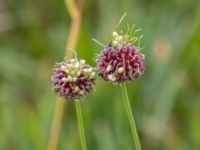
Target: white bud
[[115, 42], [72, 73], [69, 65], [72, 60], [62, 67], [119, 38], [64, 79], [74, 79], [82, 61], [115, 34], [84, 70], [109, 67], [78, 73], [66, 70], [92, 75], [69, 78], [120, 70], [111, 77], [143, 56], [76, 89], [76, 65], [89, 69], [52, 78], [81, 92]]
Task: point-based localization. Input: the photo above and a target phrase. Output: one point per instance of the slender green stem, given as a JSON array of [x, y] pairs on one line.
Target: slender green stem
[[130, 117], [81, 125]]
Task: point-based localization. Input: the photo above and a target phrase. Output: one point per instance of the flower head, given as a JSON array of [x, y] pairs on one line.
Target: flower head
[[118, 64], [120, 60], [73, 78]]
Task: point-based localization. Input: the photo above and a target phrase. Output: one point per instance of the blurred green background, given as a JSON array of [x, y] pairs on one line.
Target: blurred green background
[[165, 100]]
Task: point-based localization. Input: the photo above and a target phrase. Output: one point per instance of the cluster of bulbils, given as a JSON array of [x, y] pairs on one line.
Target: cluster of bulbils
[[118, 62]]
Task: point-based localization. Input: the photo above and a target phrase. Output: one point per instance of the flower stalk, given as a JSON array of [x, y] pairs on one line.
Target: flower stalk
[[130, 117], [81, 124], [75, 13]]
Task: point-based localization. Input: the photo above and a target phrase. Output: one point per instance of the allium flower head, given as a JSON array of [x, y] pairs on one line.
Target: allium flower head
[[120, 60], [73, 78]]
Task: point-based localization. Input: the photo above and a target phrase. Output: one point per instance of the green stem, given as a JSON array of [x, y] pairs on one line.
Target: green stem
[[80, 124], [130, 117]]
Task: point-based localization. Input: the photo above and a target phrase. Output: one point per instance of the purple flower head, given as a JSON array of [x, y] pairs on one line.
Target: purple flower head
[[120, 60], [73, 78]]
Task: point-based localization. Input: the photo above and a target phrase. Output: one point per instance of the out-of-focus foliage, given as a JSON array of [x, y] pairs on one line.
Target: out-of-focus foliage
[[165, 101]]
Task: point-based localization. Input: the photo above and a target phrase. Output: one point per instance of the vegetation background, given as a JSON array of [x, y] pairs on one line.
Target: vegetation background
[[165, 100]]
